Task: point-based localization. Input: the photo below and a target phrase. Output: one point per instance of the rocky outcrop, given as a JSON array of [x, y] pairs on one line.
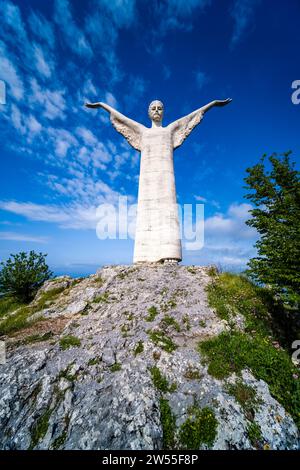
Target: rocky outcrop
[[113, 360]]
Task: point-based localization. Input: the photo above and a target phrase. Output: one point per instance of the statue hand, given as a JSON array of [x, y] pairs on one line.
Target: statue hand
[[222, 102], [93, 105]]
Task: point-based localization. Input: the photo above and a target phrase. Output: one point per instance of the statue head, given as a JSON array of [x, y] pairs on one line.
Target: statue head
[[156, 111]]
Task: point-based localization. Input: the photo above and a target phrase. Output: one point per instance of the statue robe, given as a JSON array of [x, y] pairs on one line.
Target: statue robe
[[157, 226]]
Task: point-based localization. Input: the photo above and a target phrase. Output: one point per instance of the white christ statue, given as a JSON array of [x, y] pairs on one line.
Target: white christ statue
[[157, 237]]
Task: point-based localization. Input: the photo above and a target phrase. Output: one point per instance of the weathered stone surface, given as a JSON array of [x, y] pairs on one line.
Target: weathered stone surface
[[100, 395]]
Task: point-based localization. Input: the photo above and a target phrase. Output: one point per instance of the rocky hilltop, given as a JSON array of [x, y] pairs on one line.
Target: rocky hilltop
[[112, 361]]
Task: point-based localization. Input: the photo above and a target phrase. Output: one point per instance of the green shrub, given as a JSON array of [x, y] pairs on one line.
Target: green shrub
[[230, 294], [152, 313], [160, 381], [254, 434], [199, 428], [234, 351], [168, 423], [23, 274]]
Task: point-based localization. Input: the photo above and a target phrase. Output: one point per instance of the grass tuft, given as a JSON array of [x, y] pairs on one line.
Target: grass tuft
[[69, 342]]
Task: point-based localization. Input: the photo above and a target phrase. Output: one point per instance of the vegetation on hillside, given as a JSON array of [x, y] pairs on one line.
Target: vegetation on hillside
[[258, 344], [22, 275], [275, 194]]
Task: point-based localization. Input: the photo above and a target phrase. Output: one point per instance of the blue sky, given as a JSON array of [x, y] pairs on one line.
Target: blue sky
[[59, 161]]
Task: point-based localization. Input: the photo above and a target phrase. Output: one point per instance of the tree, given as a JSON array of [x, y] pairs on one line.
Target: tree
[[22, 275], [276, 217]]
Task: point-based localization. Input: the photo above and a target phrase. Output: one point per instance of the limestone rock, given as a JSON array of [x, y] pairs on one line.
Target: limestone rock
[[89, 384]]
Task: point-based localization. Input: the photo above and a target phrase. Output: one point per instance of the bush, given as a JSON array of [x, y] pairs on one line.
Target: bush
[[234, 351], [23, 274]]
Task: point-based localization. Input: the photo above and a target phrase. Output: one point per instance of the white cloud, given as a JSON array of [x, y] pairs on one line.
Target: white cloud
[[14, 236], [63, 140], [177, 14], [12, 17], [33, 125], [42, 28], [75, 216], [73, 36], [53, 102], [110, 99], [17, 119], [242, 13], [87, 136], [89, 88], [42, 66], [9, 74], [240, 211], [200, 198], [228, 241], [231, 224], [201, 79]]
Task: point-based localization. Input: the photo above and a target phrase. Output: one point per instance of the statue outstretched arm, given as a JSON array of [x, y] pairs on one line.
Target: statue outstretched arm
[[130, 129], [184, 126]]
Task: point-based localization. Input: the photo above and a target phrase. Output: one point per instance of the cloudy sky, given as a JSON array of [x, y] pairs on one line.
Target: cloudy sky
[[59, 161]]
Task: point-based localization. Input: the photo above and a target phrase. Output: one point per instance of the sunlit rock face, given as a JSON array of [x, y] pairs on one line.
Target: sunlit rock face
[[84, 375]]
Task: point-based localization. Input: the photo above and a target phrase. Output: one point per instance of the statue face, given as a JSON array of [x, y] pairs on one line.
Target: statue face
[[156, 111]]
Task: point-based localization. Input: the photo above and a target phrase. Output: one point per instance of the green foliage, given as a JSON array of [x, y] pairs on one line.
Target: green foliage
[[60, 440], [115, 367], [233, 351], [102, 298], [170, 321], [212, 271], [254, 434], [245, 396], [276, 217], [162, 340], [8, 304], [94, 361], [199, 428], [160, 381], [21, 317], [38, 338], [16, 321], [23, 274], [230, 294], [152, 313], [168, 423], [69, 342], [68, 374], [40, 428], [139, 348]]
